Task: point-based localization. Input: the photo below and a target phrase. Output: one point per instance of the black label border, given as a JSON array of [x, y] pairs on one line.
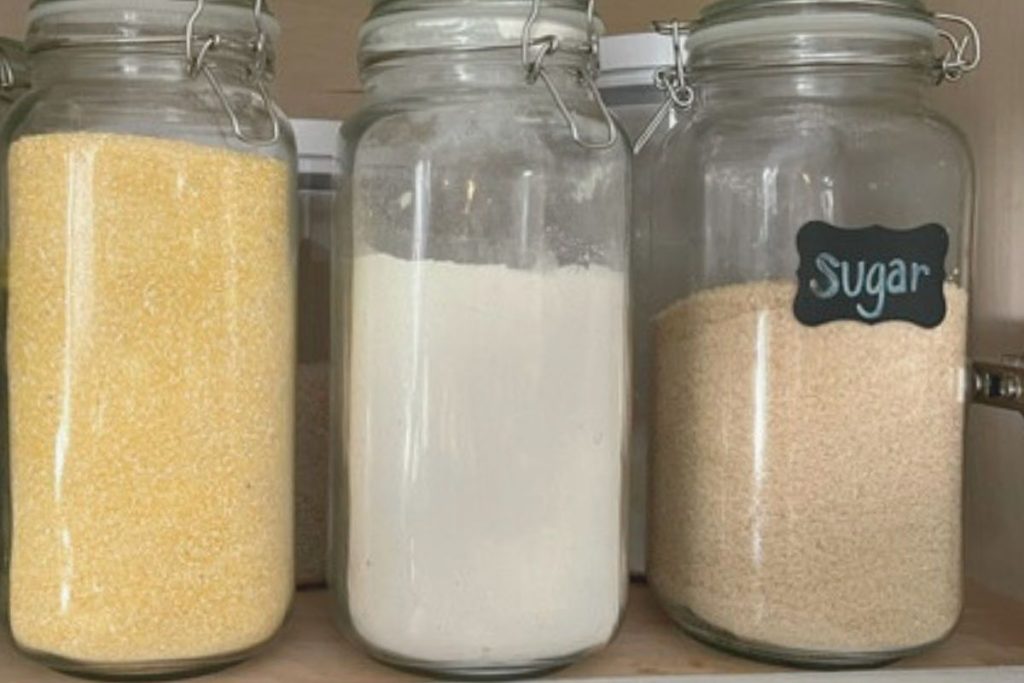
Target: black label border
[[928, 309]]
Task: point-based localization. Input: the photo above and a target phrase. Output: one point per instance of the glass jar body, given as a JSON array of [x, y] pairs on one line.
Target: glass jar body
[[150, 368], [806, 477], [481, 315]]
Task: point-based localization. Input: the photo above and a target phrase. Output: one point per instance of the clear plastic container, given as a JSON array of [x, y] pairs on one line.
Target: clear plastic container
[[482, 306], [630, 65], [810, 379], [318, 160], [150, 339]]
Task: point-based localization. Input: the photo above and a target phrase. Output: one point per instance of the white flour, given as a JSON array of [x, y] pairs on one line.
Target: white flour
[[487, 428]]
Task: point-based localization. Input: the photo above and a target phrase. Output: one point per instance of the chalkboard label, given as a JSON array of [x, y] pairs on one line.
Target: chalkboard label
[[871, 275]]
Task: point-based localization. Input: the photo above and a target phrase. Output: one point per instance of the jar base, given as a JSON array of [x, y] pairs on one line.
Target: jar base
[[816, 660], [456, 672], [498, 671], [141, 671]]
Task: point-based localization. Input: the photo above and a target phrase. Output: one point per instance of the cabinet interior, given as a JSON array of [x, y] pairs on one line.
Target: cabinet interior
[[317, 78]]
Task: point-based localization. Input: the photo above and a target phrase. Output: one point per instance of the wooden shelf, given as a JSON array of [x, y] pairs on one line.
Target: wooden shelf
[[991, 637]]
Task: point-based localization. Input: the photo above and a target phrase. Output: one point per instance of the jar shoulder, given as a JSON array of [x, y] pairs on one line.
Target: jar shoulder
[[517, 132], [918, 131], [185, 112]]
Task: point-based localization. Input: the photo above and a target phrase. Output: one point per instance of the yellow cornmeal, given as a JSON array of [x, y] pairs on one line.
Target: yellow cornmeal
[[151, 356]]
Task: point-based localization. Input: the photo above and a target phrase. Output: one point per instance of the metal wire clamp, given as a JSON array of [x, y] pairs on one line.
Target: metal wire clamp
[[964, 55], [197, 49], [196, 60], [13, 72], [534, 53], [7, 79], [671, 80]]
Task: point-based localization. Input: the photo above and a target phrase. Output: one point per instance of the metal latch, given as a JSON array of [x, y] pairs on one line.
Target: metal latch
[[1000, 385]]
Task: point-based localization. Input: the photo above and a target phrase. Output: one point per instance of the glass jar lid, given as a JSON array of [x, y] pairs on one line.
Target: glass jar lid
[[397, 27], [731, 9], [90, 23], [200, 31], [540, 33], [414, 4], [745, 35], [780, 33], [97, 9]]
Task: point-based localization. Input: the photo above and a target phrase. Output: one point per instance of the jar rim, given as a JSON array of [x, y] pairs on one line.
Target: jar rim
[[430, 28], [798, 33], [729, 10], [851, 24], [383, 5], [151, 25], [234, 9]]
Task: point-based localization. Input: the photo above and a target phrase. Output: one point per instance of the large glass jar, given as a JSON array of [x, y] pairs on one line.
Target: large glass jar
[[632, 66], [484, 385], [810, 378], [150, 339]]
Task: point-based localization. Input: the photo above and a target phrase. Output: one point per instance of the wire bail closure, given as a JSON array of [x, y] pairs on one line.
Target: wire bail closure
[[964, 55], [196, 60], [536, 50], [671, 80], [13, 72], [197, 49], [8, 81]]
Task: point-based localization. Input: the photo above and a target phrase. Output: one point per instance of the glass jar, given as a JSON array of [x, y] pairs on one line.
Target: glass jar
[[810, 378], [631, 68], [318, 159], [150, 339], [482, 311]]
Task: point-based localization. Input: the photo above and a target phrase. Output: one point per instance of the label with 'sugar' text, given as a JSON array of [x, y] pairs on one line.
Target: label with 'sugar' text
[[871, 275]]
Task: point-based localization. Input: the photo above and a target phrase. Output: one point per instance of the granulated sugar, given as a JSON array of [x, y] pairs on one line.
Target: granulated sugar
[[487, 421], [806, 483], [151, 363]]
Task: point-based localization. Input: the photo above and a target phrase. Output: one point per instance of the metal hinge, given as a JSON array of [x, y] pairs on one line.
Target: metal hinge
[[1001, 384]]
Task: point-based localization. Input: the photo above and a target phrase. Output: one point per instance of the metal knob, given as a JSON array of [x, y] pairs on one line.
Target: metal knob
[[1000, 385]]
